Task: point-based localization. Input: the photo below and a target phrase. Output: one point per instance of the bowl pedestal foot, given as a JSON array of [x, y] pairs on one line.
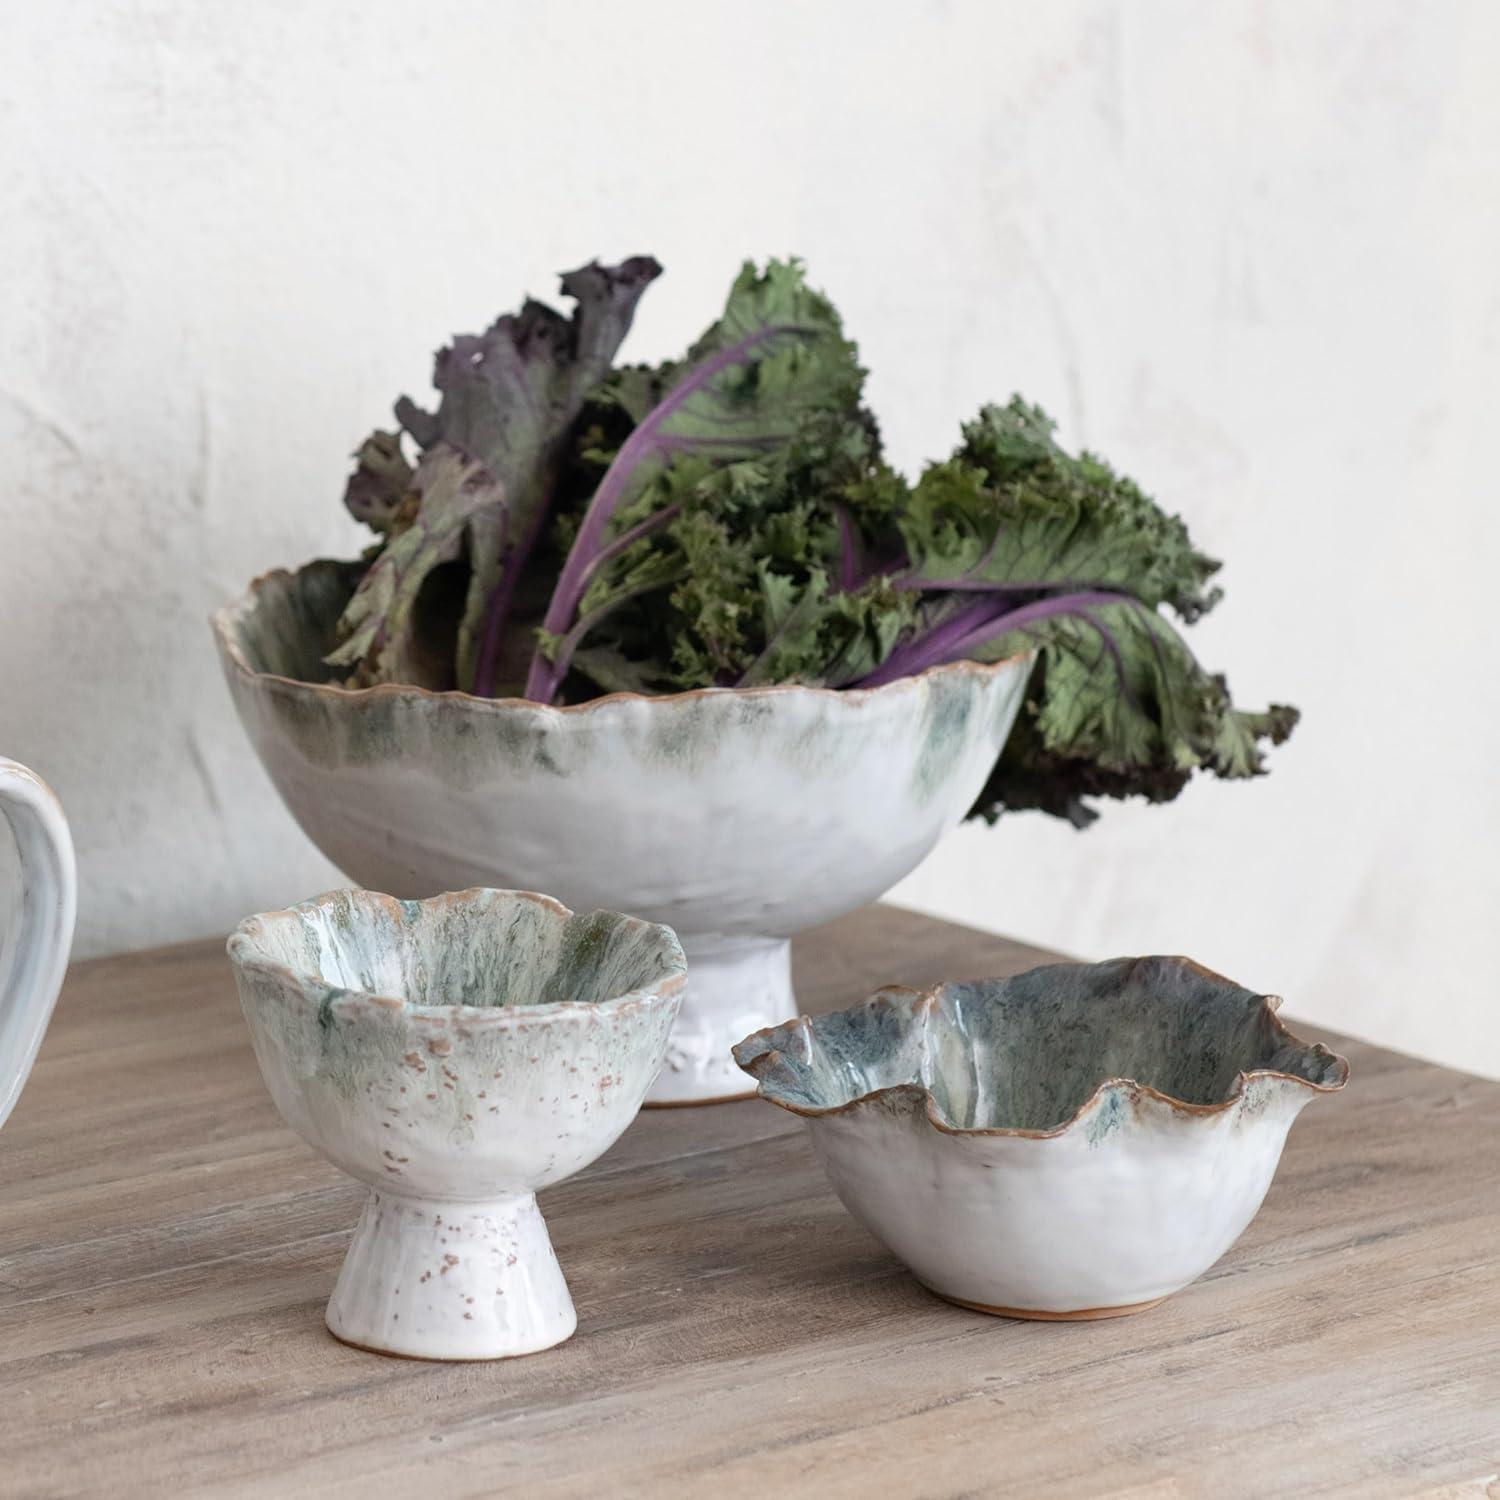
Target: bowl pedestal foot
[[431, 1279], [735, 985]]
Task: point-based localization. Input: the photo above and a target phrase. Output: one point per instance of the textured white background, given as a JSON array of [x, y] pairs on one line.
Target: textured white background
[[1249, 251]]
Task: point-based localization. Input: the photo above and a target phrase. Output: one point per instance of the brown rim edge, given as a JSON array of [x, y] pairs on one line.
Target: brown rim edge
[[220, 621], [1040, 1315], [694, 1103], [926, 998]]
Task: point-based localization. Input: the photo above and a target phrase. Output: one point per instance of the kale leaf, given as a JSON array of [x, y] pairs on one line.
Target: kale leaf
[[775, 360], [381, 636], [1117, 706], [510, 399], [568, 527]]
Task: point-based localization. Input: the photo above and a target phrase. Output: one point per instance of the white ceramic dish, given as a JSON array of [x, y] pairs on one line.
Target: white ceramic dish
[[1076, 1142], [737, 817], [36, 937], [455, 1055]]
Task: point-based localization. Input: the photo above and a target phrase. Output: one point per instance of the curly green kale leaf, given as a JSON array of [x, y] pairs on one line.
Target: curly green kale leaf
[[767, 581], [1011, 510], [1117, 706], [773, 362]]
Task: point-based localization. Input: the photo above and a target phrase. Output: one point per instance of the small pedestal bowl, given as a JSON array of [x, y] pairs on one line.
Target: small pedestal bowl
[[736, 816], [1080, 1141], [455, 1055]]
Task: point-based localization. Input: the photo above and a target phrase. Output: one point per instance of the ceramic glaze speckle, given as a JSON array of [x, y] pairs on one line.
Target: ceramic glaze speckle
[[737, 817], [1079, 1140], [455, 1055]]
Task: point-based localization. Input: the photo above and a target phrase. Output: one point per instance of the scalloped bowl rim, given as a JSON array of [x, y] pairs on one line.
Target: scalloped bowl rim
[[927, 999], [228, 616], [247, 953]]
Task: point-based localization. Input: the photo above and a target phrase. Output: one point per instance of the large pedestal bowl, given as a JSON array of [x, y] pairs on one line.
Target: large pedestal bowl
[[735, 816]]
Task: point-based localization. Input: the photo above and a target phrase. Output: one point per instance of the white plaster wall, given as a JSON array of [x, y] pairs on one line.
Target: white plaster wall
[[1250, 251]]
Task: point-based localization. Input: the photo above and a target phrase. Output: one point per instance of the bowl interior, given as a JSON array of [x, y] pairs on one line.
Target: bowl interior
[[1027, 1052], [287, 624], [475, 948]]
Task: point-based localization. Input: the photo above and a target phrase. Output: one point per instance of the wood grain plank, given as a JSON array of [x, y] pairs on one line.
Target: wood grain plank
[[166, 1247]]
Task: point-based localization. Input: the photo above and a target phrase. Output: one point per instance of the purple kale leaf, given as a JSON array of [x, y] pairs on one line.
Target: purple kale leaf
[[509, 400]]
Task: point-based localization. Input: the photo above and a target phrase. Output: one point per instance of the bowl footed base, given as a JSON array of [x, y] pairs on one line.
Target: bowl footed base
[[735, 986], [432, 1279]]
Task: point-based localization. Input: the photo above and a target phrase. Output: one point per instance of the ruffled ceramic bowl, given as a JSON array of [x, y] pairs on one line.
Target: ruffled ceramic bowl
[[1076, 1142], [738, 817], [455, 1055]]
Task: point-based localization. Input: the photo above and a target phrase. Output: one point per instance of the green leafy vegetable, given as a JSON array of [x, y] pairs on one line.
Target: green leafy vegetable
[[775, 358], [510, 399], [1118, 706], [380, 483], [1011, 507], [380, 640], [727, 519]]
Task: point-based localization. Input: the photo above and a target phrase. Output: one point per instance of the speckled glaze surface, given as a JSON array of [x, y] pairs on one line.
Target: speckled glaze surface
[[1078, 1141], [455, 1055], [736, 817]]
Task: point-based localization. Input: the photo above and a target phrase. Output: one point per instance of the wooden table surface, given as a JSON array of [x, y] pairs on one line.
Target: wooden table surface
[[167, 1244]]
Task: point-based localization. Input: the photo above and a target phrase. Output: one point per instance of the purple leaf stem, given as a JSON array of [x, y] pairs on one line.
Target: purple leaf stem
[[569, 643], [971, 627], [849, 550], [654, 522], [497, 608], [647, 441], [497, 611], [914, 583], [927, 648]]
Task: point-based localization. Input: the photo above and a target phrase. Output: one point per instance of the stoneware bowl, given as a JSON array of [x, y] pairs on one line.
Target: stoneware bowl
[[736, 816], [36, 921], [1076, 1142], [455, 1055]]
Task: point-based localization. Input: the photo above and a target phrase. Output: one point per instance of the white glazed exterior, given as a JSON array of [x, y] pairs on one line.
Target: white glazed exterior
[[1066, 1223], [454, 1116], [1128, 1200], [33, 957], [737, 817]]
